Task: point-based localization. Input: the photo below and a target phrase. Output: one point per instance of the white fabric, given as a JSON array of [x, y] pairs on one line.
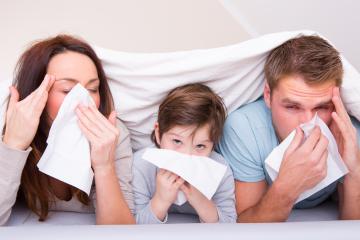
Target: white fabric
[[203, 173], [140, 81], [67, 155], [335, 165]]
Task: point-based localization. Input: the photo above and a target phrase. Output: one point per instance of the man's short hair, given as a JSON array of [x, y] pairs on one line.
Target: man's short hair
[[309, 57]]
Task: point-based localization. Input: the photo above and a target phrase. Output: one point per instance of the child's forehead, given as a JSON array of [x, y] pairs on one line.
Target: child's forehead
[[191, 131]]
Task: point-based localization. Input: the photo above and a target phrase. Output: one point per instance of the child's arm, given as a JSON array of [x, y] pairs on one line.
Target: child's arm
[[224, 198], [149, 209], [204, 207], [221, 208], [167, 188]]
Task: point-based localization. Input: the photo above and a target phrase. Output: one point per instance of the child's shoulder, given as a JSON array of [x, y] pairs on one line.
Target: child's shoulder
[[139, 162], [218, 158]]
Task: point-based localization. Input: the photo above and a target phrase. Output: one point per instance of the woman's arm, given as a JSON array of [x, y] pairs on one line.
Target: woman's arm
[[103, 135], [12, 162]]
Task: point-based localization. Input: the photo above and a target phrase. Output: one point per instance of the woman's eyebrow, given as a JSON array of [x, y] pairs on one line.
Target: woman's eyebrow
[[76, 81]]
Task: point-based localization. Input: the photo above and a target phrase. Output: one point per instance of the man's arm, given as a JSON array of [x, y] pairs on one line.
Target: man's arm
[[257, 203]]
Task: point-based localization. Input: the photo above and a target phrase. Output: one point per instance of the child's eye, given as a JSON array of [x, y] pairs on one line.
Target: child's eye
[[66, 91], [177, 141], [200, 146]]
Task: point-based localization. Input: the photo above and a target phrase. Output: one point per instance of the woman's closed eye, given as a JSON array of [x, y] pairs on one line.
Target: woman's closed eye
[[93, 90], [65, 91]]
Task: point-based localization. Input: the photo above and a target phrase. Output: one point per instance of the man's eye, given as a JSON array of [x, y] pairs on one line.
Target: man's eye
[[292, 107], [177, 141], [323, 108]]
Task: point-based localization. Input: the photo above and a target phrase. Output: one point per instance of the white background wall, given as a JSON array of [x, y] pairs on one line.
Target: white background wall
[[337, 20], [170, 25], [128, 25]]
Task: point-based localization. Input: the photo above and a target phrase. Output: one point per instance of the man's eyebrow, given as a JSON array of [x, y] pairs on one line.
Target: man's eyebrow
[[324, 103], [287, 100]]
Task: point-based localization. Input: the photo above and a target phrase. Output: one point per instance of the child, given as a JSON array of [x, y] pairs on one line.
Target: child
[[190, 121]]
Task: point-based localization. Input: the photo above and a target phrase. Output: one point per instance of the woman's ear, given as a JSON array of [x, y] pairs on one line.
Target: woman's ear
[[157, 133], [267, 95]]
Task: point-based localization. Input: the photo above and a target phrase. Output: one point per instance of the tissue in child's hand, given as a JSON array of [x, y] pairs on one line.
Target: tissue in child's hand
[[203, 173]]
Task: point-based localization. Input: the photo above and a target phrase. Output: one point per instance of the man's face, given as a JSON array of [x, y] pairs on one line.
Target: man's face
[[294, 102]]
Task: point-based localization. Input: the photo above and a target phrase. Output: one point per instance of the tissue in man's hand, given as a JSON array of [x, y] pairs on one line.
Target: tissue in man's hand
[[203, 173], [67, 155], [335, 165]]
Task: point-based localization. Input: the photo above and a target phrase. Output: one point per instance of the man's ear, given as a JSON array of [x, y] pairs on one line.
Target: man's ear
[[267, 95], [157, 133]]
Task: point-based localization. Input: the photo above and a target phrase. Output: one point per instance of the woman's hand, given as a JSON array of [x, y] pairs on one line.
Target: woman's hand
[[23, 117], [102, 134]]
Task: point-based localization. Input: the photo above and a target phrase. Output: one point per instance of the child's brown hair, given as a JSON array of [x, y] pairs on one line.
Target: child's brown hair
[[192, 104]]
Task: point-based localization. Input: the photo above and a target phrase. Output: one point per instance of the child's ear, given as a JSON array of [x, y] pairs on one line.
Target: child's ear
[[157, 133], [267, 95]]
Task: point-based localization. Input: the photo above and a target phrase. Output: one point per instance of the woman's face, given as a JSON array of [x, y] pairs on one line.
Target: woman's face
[[71, 68]]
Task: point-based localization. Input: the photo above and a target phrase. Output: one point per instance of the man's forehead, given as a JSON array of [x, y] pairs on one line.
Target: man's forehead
[[296, 86]]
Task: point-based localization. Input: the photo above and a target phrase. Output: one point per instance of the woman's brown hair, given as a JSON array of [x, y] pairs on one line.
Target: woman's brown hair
[[29, 73], [191, 104]]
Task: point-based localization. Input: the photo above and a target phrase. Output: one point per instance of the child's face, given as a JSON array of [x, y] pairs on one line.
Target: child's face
[[187, 140]]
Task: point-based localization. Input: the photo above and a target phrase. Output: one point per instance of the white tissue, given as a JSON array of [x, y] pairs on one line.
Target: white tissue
[[335, 165], [203, 173], [67, 155]]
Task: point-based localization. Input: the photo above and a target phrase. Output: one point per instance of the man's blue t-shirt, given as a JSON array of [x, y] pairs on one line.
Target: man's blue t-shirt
[[247, 140]]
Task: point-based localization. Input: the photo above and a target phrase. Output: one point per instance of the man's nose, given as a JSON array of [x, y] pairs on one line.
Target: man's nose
[[306, 116]]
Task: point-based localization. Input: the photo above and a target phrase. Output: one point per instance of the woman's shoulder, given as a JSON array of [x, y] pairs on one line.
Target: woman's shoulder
[[122, 127]]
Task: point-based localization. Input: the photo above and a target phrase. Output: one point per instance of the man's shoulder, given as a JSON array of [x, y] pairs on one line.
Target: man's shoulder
[[250, 116]]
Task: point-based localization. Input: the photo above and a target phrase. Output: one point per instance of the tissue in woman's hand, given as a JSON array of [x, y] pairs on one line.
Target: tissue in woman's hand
[[203, 173], [67, 155], [335, 165]]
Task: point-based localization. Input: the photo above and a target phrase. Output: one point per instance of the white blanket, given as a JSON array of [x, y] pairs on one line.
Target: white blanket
[[140, 81]]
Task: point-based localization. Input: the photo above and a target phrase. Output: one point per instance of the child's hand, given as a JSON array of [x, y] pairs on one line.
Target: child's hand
[[194, 196], [167, 188], [204, 207]]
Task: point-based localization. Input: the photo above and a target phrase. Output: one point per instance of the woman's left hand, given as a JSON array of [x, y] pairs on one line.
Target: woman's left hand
[[102, 135]]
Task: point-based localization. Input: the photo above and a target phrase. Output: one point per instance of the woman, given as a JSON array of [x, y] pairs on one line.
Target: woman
[[45, 73]]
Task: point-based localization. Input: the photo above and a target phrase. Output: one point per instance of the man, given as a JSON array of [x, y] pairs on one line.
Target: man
[[303, 77]]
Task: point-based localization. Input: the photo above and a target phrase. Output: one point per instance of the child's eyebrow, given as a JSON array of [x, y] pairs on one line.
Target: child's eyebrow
[[207, 140], [175, 134]]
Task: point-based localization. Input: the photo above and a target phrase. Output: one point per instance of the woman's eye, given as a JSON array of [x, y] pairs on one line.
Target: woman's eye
[[93, 90], [177, 141]]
